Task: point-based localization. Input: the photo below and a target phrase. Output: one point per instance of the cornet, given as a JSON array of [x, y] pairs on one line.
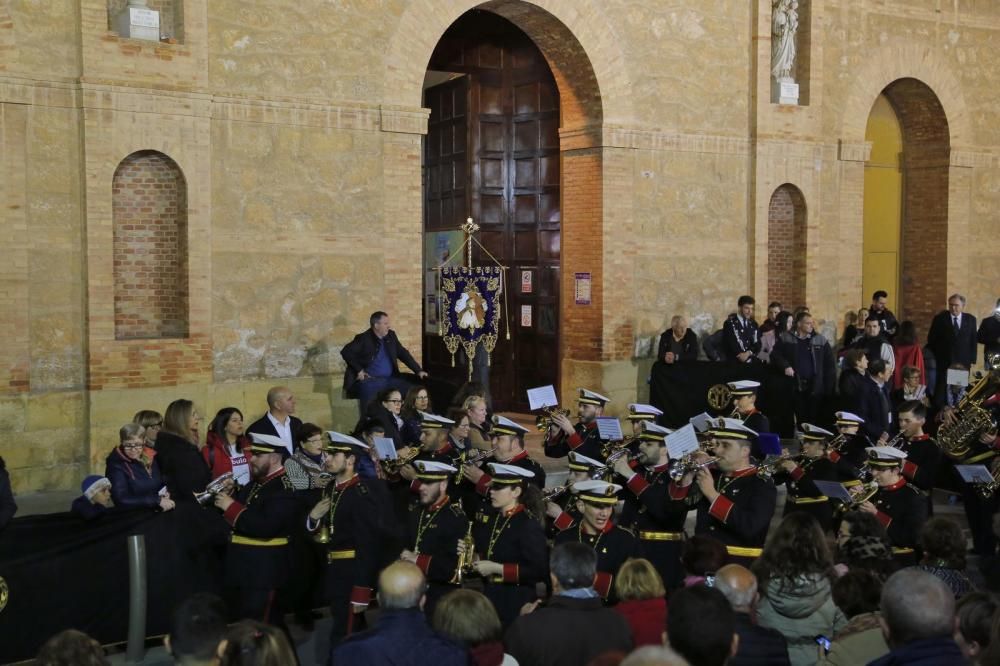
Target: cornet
[[465, 558], [478, 457], [609, 464], [216, 487], [769, 468], [544, 420], [392, 467]]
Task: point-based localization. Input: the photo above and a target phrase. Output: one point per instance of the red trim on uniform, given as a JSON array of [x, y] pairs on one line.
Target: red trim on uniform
[[834, 456], [992, 400], [440, 503], [633, 464], [520, 456], [483, 484], [920, 438], [447, 448], [883, 518], [677, 492], [746, 471], [353, 481], [415, 486], [423, 562], [720, 508], [896, 486], [797, 473], [510, 571], [361, 595], [564, 521], [909, 469], [637, 484], [233, 512], [574, 441], [275, 473], [518, 508], [662, 468], [602, 583]]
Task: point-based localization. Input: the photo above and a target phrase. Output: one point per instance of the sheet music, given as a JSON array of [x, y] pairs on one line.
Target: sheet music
[[682, 442], [542, 396], [974, 473], [834, 490], [609, 429], [701, 422], [385, 448], [958, 377]]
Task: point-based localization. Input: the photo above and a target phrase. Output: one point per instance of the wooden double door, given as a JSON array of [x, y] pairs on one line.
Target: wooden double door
[[492, 153]]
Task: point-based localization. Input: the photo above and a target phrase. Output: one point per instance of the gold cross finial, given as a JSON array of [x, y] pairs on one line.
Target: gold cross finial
[[470, 227]]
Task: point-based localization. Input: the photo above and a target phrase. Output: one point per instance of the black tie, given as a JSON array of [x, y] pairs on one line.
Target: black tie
[[955, 323]]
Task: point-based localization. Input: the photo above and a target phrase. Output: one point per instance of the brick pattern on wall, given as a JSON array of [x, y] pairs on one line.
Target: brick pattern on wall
[[786, 247], [924, 233], [149, 208]]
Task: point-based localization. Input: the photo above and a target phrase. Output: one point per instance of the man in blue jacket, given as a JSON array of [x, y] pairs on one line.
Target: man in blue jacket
[[371, 359], [401, 636]]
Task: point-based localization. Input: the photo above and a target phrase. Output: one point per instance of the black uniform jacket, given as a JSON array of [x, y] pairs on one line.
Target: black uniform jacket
[[613, 546], [585, 441], [902, 510], [262, 516], [433, 534], [742, 513]]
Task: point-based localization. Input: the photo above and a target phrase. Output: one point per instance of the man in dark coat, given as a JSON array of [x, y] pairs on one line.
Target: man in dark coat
[[918, 615], [806, 356], [574, 626], [989, 332], [740, 333], [758, 645], [873, 403], [952, 340], [279, 420], [372, 365], [401, 636]]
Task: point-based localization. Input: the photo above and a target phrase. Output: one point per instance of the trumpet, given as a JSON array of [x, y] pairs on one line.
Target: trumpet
[[464, 565], [684, 466], [392, 467], [544, 420], [836, 443], [554, 492], [608, 449], [609, 464], [216, 487], [478, 457], [769, 468], [865, 471]]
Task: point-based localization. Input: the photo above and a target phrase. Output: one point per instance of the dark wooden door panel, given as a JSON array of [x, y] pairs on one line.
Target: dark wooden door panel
[[511, 188]]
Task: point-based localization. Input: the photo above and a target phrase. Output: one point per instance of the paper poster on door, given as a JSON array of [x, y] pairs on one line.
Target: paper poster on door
[[526, 315], [525, 282], [581, 288]]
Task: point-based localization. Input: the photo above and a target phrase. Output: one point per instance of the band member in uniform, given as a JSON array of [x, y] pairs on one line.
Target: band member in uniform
[[655, 508], [900, 508], [435, 525], [744, 393], [435, 445], [613, 544], [736, 504], [740, 334], [813, 464], [979, 510], [855, 440], [509, 543], [261, 515], [508, 440], [560, 502], [922, 453], [638, 413], [583, 437], [347, 520]]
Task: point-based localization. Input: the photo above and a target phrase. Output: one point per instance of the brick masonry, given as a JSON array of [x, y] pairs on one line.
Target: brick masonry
[[149, 207], [786, 248]]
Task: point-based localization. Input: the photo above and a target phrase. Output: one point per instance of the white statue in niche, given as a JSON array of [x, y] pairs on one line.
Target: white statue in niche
[[784, 25]]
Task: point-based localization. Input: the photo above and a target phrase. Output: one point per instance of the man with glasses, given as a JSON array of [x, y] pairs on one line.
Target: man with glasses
[[372, 361]]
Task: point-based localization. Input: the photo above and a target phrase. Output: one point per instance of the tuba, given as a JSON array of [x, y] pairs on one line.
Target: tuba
[[464, 566], [971, 418]]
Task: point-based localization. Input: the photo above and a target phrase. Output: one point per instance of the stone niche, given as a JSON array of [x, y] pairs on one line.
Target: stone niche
[[171, 16]]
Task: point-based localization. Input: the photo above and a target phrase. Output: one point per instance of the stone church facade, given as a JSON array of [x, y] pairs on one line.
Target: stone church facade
[[266, 158]]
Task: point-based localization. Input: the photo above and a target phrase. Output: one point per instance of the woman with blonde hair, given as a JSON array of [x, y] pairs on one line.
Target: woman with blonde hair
[[642, 600], [468, 618], [479, 424], [179, 452]]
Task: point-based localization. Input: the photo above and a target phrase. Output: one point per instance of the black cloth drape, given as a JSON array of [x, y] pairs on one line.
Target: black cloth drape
[[64, 572], [681, 391]]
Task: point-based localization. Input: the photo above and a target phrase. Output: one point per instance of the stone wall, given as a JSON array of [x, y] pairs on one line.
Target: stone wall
[[298, 130]]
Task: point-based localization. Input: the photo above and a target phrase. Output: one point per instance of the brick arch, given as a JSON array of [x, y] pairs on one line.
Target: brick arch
[[886, 65], [786, 246], [582, 52], [150, 247]]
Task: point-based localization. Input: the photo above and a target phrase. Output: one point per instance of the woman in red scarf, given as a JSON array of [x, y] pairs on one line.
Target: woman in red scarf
[[227, 449]]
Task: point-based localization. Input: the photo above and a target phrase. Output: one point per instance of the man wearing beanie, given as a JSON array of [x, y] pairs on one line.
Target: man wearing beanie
[[95, 500]]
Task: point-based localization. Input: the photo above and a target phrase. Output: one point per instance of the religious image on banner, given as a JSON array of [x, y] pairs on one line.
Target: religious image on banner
[[470, 308]]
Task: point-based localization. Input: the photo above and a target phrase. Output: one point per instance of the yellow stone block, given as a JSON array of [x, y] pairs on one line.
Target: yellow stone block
[[12, 414], [49, 411]]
